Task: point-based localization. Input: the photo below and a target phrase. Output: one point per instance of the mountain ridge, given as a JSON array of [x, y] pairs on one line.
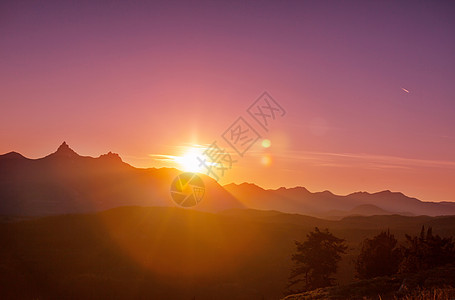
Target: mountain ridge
[[322, 204], [66, 182]]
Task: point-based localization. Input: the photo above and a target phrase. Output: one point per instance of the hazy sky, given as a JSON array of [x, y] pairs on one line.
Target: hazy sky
[[368, 87]]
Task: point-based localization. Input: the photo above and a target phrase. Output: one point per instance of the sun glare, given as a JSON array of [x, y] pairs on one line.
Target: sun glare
[[189, 162]]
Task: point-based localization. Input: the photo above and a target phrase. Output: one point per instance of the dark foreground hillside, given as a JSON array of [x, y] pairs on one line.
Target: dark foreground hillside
[[436, 284], [170, 253]]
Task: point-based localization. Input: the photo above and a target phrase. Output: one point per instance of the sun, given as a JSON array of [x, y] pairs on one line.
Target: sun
[[189, 161]]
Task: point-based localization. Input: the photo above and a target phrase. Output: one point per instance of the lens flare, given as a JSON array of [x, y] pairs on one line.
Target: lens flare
[[266, 160], [266, 143]]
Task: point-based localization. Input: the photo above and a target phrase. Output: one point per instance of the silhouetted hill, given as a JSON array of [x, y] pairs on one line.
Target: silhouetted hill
[[361, 210], [368, 210], [326, 204], [65, 182], [172, 253]]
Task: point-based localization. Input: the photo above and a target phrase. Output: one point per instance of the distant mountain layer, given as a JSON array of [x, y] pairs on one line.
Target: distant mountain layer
[[325, 204], [65, 182]]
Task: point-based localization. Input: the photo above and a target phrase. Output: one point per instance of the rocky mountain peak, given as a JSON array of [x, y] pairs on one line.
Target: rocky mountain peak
[[65, 151]]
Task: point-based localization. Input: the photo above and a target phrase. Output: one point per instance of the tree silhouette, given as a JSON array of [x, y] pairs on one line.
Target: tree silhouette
[[379, 256], [426, 251], [316, 260]]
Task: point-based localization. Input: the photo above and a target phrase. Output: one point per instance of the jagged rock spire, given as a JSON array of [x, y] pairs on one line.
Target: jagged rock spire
[[65, 150], [111, 156]]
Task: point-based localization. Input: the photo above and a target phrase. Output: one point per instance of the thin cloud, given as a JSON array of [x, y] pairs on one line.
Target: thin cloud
[[364, 160], [163, 157], [176, 149]]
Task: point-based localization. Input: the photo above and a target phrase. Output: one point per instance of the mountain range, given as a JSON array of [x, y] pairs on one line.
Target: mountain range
[[66, 182]]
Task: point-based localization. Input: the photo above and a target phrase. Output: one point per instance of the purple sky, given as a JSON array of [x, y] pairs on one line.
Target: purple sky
[[142, 78]]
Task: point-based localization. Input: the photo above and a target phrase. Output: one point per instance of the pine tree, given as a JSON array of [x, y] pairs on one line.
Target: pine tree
[[316, 260], [379, 256], [426, 251]]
